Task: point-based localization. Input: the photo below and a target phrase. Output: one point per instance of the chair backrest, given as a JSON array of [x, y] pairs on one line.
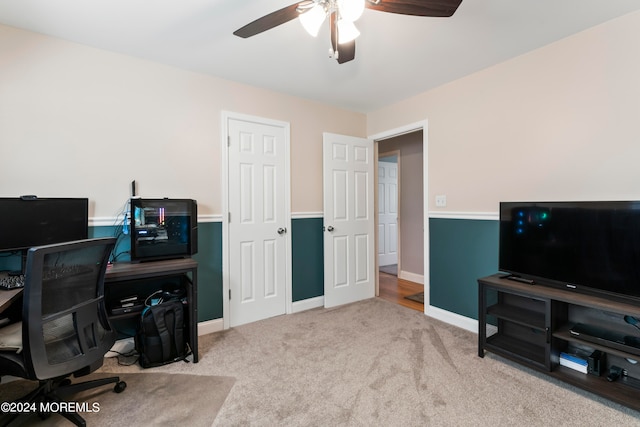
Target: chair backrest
[[65, 327]]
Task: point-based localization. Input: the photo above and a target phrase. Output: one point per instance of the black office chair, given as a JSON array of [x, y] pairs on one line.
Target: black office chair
[[64, 324]]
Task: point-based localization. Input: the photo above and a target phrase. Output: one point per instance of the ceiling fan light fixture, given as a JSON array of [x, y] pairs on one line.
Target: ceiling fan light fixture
[[351, 10], [312, 19], [347, 31]]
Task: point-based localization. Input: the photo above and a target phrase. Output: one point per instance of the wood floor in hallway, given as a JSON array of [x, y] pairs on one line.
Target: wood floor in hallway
[[395, 290]]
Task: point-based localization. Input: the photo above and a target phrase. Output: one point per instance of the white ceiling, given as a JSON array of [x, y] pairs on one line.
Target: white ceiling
[[396, 56]]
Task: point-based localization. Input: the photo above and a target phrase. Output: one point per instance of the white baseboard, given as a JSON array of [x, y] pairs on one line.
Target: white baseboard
[[217, 325], [412, 277], [307, 304], [210, 326], [452, 318]]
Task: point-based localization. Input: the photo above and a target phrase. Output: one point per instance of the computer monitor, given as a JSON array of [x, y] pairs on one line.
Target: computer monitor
[[26, 222]]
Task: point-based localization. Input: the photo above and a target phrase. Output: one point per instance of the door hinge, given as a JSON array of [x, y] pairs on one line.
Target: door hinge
[[229, 293], [229, 216], [228, 141]]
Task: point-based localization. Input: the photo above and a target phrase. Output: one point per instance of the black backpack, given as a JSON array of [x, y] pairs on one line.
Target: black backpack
[[160, 339]]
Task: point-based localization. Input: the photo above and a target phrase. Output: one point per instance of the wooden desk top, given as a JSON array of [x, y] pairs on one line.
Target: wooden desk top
[[7, 297], [134, 270], [122, 271]]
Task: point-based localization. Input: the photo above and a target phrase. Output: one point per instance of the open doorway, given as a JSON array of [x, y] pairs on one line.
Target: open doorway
[[400, 219], [388, 214]]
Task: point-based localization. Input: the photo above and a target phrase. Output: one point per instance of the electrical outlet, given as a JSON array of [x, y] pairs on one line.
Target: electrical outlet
[[441, 201]]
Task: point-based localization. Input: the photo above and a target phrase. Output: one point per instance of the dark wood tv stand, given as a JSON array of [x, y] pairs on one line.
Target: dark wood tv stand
[[532, 327], [124, 278]]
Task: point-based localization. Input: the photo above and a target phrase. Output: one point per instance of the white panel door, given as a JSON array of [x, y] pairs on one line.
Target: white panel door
[[387, 213], [349, 249], [257, 221]]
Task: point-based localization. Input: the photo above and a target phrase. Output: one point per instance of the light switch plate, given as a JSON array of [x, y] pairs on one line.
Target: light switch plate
[[441, 201]]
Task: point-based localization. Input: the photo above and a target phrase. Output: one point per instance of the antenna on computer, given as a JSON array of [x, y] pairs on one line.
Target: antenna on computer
[[133, 188]]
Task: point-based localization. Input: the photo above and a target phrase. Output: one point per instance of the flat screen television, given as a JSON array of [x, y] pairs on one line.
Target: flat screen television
[[589, 247], [26, 222], [163, 229]]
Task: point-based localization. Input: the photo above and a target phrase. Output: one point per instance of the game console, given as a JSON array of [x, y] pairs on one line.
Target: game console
[[596, 363]]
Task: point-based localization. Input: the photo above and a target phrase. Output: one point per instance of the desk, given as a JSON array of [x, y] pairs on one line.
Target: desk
[[8, 297], [122, 273]]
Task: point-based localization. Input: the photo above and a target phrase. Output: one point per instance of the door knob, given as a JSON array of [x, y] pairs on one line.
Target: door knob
[[282, 230], [330, 228]]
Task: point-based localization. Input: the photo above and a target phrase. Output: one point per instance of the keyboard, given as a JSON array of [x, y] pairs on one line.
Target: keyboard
[[8, 283]]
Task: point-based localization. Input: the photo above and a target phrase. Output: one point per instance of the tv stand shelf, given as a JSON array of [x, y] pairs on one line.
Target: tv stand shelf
[[515, 349], [531, 325], [564, 334], [517, 315]]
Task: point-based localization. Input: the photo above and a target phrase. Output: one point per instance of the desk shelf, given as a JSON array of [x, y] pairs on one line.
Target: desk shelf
[[122, 278]]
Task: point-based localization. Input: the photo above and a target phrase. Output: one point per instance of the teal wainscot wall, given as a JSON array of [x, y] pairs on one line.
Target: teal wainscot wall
[[306, 255], [209, 258], [461, 251]]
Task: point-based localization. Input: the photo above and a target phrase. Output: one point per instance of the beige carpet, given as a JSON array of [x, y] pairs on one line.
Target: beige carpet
[[150, 399], [371, 363], [375, 363]]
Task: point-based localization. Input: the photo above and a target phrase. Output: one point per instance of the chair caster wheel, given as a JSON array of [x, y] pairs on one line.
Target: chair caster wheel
[[119, 387]]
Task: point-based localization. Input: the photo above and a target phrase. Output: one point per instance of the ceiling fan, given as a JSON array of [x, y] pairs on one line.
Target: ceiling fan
[[342, 15]]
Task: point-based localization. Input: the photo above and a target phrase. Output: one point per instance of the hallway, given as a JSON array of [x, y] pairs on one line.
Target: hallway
[[395, 290]]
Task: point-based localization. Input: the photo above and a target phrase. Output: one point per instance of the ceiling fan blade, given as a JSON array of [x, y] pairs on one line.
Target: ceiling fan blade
[[435, 8], [269, 21], [346, 51]]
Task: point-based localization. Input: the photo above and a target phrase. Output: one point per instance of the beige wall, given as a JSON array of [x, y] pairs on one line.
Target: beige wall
[[411, 199], [82, 122], [561, 122]]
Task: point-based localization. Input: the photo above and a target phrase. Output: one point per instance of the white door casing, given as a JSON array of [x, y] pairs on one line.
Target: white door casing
[[258, 220], [387, 213], [349, 223], [424, 127]]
